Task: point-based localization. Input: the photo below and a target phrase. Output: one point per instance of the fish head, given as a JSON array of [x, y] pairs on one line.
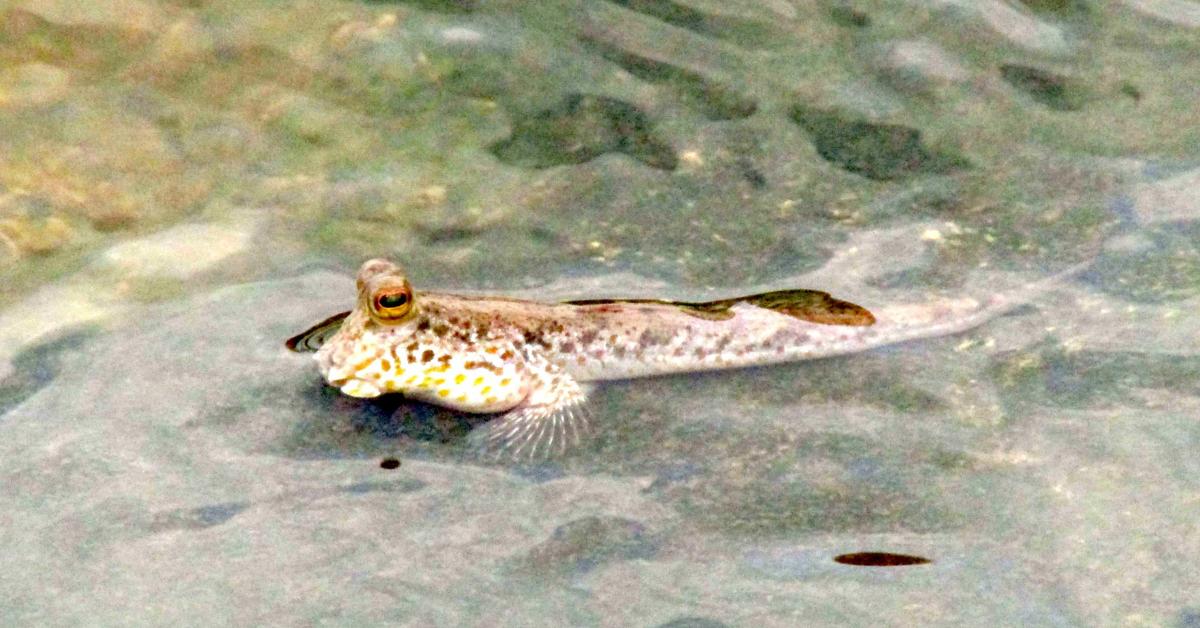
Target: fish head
[[360, 356]]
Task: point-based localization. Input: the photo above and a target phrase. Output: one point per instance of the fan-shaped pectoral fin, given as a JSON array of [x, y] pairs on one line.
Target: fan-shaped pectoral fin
[[551, 419]]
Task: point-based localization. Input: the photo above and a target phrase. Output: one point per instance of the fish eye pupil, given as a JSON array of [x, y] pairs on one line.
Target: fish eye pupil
[[389, 301]]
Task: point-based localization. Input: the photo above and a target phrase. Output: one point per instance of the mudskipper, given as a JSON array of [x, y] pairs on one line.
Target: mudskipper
[[531, 361]]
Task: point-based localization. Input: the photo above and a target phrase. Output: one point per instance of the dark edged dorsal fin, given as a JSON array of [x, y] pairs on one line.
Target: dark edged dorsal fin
[[311, 339], [813, 306]]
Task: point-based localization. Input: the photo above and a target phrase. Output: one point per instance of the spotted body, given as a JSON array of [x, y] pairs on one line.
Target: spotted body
[[531, 360]]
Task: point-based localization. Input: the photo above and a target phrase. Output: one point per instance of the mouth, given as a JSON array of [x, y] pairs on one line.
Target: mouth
[[358, 388], [345, 380]]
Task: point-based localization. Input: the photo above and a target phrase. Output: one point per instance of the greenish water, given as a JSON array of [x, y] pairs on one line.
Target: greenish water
[[185, 184]]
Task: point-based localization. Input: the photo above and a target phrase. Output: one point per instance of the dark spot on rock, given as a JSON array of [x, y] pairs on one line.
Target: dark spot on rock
[[197, 518], [743, 31], [437, 6], [674, 13], [714, 100], [581, 128], [882, 152], [880, 559], [1052, 90], [442, 234], [36, 366], [751, 174], [1058, 8], [1131, 90], [216, 514], [845, 15], [389, 463], [584, 544], [1189, 618]]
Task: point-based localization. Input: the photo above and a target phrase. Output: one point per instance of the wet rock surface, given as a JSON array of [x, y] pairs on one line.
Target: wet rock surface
[[191, 437], [183, 185]]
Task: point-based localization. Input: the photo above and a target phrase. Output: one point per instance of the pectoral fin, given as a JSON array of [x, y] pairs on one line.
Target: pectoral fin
[[551, 419]]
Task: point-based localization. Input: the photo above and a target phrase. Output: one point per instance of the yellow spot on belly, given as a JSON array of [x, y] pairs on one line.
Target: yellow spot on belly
[[479, 380], [486, 390], [505, 382], [443, 393], [460, 378], [462, 398], [411, 379], [490, 400]]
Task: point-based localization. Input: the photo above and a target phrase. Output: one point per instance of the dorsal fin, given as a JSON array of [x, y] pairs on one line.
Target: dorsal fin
[[813, 306], [311, 339]]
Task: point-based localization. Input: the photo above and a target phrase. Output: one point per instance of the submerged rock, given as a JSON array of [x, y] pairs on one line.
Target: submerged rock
[[1171, 199], [33, 85], [179, 252]]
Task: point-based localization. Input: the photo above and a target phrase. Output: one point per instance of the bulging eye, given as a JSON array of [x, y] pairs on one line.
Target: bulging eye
[[392, 304]]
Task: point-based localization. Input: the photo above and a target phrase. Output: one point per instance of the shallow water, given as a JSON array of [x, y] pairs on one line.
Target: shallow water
[[183, 185]]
